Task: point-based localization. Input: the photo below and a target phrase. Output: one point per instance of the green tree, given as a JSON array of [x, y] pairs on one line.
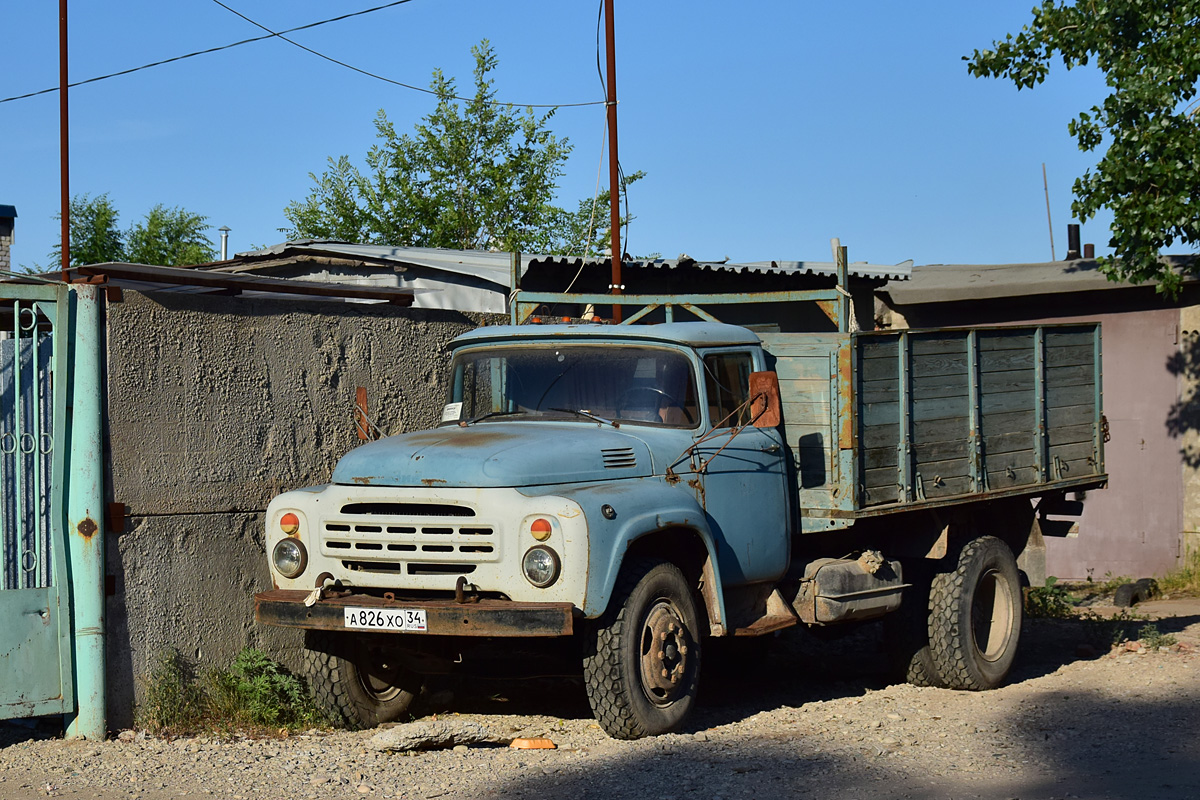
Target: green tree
[[95, 237], [475, 175], [1149, 51], [170, 237]]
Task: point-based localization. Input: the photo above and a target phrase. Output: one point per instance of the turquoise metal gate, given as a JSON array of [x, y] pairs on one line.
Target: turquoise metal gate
[[50, 568]]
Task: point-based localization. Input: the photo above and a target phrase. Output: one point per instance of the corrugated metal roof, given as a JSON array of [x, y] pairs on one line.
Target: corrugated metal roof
[[496, 266], [490, 266], [947, 283], [859, 269], [698, 333]]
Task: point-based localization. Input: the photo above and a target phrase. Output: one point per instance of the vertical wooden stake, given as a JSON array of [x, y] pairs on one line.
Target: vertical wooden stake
[[360, 413]]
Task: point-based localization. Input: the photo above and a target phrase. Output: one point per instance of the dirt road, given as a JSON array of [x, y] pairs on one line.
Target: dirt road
[[817, 720]]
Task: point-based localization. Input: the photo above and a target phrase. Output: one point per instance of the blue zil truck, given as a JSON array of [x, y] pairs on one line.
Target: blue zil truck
[[616, 499]]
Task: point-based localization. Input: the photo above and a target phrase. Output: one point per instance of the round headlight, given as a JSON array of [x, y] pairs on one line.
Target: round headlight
[[541, 566], [289, 557]]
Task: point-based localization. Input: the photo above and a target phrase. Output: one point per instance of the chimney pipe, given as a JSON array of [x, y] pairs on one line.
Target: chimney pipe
[[1089, 251], [1072, 242], [224, 229]]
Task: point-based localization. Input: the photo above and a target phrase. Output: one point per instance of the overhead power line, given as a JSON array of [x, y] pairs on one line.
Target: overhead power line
[[395, 83], [209, 50], [281, 35]]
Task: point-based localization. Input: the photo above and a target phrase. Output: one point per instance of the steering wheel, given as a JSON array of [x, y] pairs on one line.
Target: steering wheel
[[624, 397]]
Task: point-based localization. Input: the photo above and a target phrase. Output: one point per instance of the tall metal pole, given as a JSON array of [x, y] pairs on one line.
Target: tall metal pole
[[1046, 189], [64, 169], [614, 172]]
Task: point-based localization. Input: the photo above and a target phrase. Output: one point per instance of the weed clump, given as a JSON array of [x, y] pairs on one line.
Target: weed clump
[[174, 701], [1050, 601], [257, 691], [1151, 638], [254, 692]]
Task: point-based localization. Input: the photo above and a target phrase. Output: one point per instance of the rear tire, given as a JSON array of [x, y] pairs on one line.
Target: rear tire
[[975, 617], [906, 633], [356, 685], [651, 627]]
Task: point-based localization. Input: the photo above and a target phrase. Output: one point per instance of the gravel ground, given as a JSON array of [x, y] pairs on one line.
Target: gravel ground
[[816, 720]]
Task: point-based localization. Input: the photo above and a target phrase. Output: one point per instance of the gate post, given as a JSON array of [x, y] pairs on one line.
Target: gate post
[[85, 532]]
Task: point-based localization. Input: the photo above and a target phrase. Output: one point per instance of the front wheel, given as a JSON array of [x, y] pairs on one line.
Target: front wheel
[[642, 663], [357, 685], [975, 616]]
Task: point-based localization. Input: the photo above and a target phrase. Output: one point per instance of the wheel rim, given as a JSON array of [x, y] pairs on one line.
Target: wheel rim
[[380, 684], [665, 654], [992, 615]]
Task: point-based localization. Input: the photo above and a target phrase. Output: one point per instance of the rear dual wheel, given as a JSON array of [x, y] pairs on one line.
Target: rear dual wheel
[[975, 616]]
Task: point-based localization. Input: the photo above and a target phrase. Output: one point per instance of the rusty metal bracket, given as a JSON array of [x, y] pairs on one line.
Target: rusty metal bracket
[[461, 589]]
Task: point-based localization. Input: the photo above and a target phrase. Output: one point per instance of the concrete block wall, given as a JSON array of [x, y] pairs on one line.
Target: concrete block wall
[[214, 406]]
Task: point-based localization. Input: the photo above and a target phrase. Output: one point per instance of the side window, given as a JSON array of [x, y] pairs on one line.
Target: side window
[[727, 386]]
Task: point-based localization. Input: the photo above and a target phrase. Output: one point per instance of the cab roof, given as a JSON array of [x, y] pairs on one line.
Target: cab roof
[[694, 334]]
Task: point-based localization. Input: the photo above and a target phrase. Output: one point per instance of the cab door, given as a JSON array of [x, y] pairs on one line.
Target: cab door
[[743, 480]]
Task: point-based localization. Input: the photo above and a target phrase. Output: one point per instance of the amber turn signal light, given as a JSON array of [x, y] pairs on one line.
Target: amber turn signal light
[[289, 523], [540, 529]]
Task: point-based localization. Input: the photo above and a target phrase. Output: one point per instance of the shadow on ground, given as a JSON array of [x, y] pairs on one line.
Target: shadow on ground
[[1080, 745]]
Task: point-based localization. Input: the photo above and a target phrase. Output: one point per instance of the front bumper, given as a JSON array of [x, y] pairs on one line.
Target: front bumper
[[443, 617]]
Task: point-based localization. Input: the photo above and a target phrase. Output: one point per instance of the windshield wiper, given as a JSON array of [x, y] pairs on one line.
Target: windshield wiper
[[464, 423], [588, 414]]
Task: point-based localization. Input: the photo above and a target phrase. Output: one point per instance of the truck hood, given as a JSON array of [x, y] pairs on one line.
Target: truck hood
[[497, 454]]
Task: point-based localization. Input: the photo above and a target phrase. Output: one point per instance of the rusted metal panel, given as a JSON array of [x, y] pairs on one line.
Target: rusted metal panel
[[845, 393], [486, 617]]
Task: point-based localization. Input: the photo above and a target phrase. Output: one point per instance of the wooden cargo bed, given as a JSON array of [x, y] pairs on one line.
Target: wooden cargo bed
[[894, 420]]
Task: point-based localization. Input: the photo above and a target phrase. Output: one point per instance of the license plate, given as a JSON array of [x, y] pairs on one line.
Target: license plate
[[390, 619]]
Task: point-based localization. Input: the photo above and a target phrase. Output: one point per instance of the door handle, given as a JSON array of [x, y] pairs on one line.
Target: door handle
[[771, 448]]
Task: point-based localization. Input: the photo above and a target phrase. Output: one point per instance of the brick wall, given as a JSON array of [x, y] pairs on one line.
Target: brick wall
[[6, 239]]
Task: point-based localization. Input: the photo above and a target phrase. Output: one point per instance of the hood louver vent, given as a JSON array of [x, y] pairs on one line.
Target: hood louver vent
[[619, 458]]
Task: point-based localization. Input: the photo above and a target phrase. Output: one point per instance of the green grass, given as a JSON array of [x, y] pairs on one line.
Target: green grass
[[253, 694], [1184, 580]]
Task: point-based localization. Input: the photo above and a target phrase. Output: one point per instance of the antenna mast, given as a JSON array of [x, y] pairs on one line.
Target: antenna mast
[[614, 172]]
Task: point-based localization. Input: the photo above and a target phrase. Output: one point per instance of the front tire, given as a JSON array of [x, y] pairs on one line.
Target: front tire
[[357, 685], [975, 619], [642, 663]]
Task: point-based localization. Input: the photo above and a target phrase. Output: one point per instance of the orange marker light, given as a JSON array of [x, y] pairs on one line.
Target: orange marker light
[[289, 523], [540, 529]]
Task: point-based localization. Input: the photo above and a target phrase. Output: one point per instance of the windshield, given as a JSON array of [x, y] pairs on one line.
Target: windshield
[[644, 385]]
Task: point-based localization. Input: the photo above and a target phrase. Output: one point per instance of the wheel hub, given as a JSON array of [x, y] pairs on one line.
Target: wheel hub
[[664, 654], [991, 616], [379, 679]]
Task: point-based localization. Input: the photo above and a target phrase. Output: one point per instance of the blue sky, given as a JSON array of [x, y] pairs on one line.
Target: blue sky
[[766, 128]]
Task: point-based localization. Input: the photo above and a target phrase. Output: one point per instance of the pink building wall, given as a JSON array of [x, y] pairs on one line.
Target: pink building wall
[[1134, 527]]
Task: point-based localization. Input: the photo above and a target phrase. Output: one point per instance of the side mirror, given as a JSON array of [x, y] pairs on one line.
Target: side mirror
[[765, 407]]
